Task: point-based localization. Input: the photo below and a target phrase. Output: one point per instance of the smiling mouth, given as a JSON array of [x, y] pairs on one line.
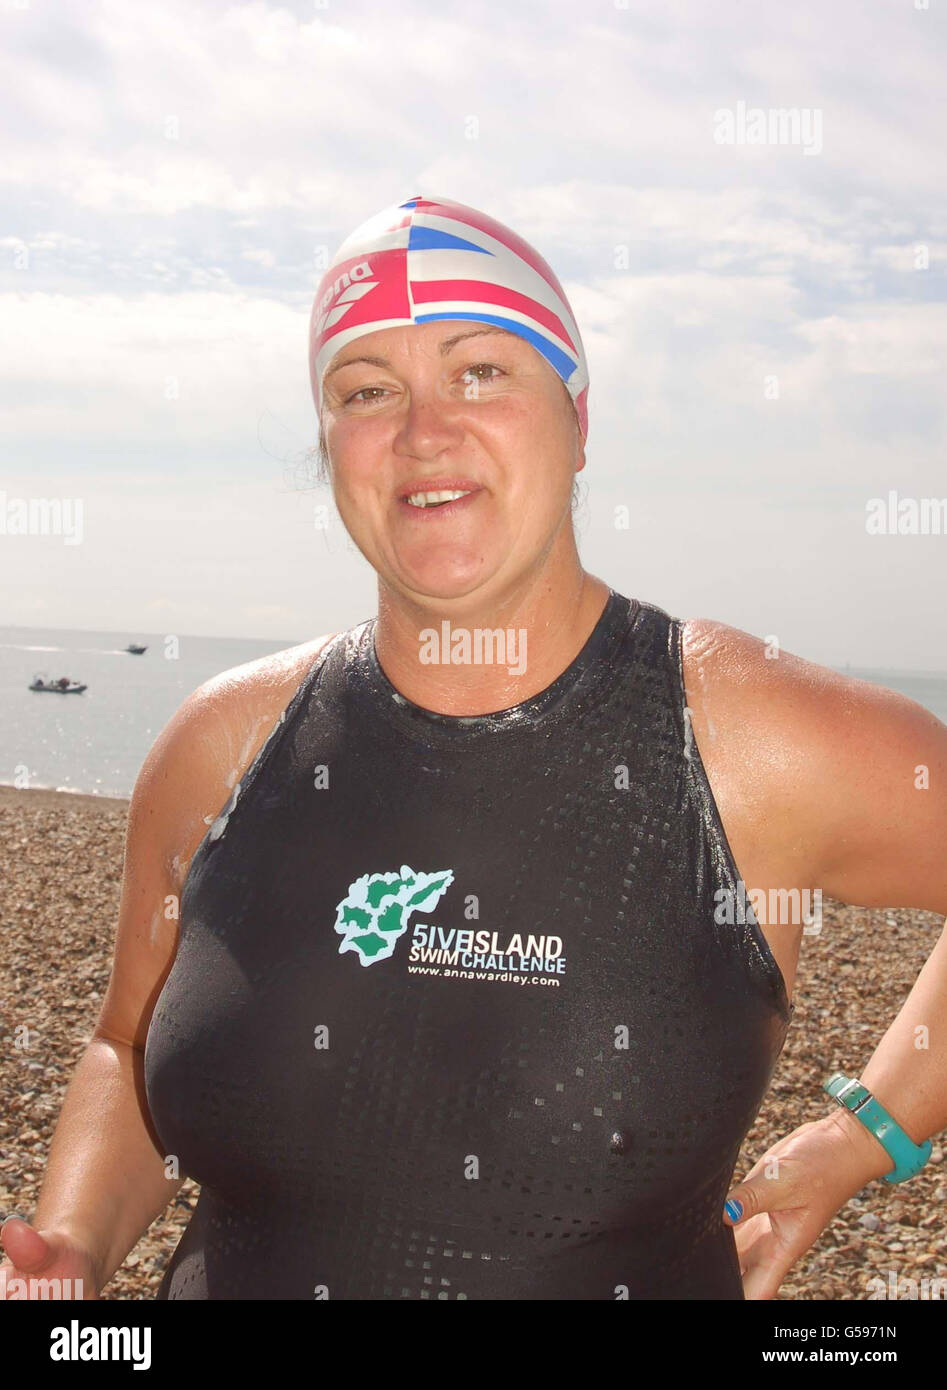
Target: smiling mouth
[[436, 499]]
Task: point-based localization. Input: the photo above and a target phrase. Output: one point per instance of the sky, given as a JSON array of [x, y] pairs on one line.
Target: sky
[[764, 318]]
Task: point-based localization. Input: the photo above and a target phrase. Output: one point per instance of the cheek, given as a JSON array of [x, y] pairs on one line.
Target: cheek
[[357, 447], [529, 426], [355, 471], [358, 503]]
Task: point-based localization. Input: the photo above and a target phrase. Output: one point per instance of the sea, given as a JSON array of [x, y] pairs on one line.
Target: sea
[[96, 742]]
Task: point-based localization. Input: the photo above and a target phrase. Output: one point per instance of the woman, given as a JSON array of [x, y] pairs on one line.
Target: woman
[[453, 1010]]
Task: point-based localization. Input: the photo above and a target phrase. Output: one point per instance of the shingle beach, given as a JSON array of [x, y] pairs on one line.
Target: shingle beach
[[61, 868]]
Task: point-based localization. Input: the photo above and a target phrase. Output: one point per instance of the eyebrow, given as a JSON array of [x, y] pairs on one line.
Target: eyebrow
[[445, 348]]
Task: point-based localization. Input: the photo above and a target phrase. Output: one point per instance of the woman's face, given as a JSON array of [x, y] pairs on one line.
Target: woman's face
[[454, 406]]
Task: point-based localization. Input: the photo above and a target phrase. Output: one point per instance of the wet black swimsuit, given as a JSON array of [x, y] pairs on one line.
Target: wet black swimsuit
[[452, 1014]]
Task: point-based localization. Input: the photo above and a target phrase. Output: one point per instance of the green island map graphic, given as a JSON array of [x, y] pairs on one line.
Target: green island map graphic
[[375, 911]]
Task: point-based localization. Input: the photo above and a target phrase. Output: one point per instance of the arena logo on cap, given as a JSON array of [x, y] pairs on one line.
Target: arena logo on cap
[[360, 273]]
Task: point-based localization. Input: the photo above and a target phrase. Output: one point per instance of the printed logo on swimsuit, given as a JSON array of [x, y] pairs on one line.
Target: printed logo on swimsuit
[[374, 914], [375, 911]]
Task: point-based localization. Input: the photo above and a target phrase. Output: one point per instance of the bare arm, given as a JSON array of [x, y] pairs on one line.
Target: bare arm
[[840, 785], [883, 821], [105, 1178]]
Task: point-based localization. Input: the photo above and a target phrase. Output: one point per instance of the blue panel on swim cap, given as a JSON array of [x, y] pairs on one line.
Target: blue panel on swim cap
[[429, 239], [557, 359]]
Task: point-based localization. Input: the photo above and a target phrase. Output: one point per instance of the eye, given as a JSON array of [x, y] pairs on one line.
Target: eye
[[473, 373], [361, 392], [482, 366]]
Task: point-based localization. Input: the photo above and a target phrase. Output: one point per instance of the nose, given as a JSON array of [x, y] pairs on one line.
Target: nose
[[429, 426]]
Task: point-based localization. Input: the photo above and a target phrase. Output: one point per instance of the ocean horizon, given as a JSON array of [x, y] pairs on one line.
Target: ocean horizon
[[96, 742]]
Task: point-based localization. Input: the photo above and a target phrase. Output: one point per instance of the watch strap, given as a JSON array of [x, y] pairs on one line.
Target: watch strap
[[909, 1158]]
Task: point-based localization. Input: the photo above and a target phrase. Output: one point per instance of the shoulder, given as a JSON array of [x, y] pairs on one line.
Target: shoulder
[[209, 743], [850, 775], [784, 699], [263, 684]]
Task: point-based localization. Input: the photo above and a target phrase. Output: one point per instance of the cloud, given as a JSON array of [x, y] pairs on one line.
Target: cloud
[[178, 172]]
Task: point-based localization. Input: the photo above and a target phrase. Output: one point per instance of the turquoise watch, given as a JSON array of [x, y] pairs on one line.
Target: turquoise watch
[[909, 1158]]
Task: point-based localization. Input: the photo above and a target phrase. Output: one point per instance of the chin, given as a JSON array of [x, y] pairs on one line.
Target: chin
[[445, 581]]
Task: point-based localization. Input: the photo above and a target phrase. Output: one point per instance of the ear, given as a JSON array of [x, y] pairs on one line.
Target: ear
[[579, 448]]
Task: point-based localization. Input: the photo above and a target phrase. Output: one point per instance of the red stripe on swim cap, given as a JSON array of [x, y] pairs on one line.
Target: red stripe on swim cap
[[459, 212], [485, 292]]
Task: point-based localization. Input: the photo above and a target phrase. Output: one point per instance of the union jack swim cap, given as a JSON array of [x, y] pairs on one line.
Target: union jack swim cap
[[431, 258]]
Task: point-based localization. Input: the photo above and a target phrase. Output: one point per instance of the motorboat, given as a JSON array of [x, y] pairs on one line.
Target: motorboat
[[135, 649], [62, 686]]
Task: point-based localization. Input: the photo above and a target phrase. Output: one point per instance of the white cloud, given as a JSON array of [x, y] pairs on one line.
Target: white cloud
[[175, 170]]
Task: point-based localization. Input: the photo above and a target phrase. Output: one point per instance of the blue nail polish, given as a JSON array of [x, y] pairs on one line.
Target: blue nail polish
[[733, 1208]]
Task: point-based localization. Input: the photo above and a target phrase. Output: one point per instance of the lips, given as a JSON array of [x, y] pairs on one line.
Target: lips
[[427, 497], [434, 499], [440, 509], [438, 482]]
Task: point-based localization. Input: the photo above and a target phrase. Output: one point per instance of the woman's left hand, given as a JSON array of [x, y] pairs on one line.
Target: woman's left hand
[[791, 1194]]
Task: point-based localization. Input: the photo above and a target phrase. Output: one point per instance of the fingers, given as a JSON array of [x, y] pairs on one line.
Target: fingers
[[28, 1250], [763, 1278], [759, 1192], [764, 1259], [753, 1196], [733, 1209]]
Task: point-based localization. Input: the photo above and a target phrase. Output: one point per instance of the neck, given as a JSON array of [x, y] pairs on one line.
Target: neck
[[476, 655]]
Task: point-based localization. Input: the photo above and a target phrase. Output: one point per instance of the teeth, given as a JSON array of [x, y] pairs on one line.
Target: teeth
[[431, 499]]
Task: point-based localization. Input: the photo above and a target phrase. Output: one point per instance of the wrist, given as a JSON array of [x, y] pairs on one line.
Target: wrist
[[861, 1156]]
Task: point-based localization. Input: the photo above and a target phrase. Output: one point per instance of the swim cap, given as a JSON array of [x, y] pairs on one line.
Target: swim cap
[[431, 258]]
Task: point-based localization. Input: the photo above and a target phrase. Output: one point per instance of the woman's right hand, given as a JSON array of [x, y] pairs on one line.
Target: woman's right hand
[[34, 1256]]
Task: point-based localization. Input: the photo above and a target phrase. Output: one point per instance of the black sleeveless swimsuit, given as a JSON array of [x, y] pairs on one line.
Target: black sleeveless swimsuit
[[453, 1012]]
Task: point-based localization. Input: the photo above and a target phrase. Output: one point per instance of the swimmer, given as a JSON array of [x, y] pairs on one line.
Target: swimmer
[[449, 1008]]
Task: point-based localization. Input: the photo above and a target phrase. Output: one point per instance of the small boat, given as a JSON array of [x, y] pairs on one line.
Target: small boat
[[63, 686], [135, 649]]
